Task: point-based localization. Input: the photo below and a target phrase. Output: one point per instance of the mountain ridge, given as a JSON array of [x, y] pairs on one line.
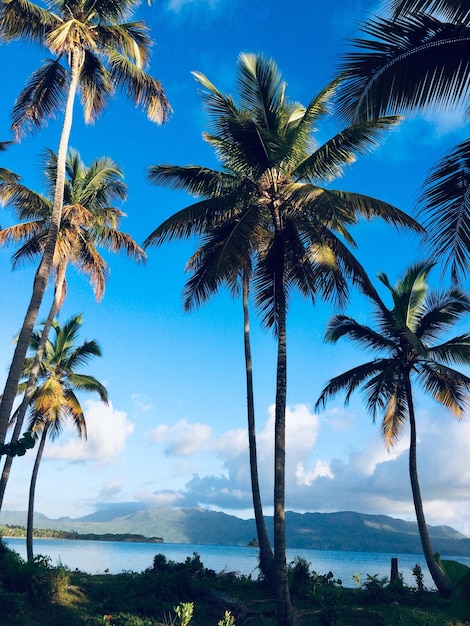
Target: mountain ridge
[[342, 531]]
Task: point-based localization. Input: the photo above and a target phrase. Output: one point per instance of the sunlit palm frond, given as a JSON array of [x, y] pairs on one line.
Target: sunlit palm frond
[[395, 418], [327, 162], [301, 124], [446, 385], [83, 382], [132, 39], [146, 91], [96, 86], [22, 18], [261, 91]]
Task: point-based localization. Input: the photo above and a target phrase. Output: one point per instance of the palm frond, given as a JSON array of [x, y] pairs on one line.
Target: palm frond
[[22, 19], [348, 381], [344, 326], [446, 385], [261, 90], [146, 91], [43, 95], [96, 86], [456, 11], [445, 209], [327, 162], [193, 220], [408, 63]]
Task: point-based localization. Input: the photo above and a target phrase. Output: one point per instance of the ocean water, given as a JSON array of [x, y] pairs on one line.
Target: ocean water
[[97, 557]]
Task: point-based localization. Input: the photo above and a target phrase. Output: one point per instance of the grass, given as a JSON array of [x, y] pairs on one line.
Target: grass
[[40, 595]]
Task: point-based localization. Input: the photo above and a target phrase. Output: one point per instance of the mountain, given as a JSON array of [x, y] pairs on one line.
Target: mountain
[[345, 531]]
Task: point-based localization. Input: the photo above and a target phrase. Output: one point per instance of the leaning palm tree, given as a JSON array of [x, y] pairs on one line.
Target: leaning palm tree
[[88, 223], [95, 53], [268, 209], [407, 353], [418, 59], [54, 398]]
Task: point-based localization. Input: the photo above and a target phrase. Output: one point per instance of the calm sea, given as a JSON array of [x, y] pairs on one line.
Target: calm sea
[[96, 557]]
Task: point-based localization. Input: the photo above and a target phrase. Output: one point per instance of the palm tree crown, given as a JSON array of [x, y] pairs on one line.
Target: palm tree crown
[[408, 350], [54, 398], [271, 182], [110, 54], [88, 219]]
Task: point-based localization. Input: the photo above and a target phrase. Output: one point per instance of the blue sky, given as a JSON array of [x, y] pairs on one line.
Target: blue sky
[[174, 432]]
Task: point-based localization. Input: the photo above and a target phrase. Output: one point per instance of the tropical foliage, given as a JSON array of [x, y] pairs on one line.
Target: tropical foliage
[[89, 222], [267, 213], [406, 354], [54, 398], [95, 52], [418, 59]]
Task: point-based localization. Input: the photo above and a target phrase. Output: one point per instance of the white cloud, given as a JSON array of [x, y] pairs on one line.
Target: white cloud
[[108, 430], [111, 490], [141, 403], [183, 438], [178, 5], [368, 480], [161, 498]]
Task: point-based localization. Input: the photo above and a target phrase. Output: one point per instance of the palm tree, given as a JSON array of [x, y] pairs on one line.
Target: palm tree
[[203, 264], [54, 398], [95, 53], [266, 209], [88, 223], [407, 352], [419, 59]]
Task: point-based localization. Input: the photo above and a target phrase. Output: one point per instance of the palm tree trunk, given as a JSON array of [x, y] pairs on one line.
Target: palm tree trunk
[[266, 557], [32, 490], [440, 579], [42, 274], [21, 412], [285, 613]]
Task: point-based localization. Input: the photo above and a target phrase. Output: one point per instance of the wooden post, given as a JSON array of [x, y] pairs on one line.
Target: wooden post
[[394, 569]]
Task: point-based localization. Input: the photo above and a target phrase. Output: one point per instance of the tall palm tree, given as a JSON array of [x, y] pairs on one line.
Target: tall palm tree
[[54, 398], [407, 353], [204, 266], [88, 223], [267, 208], [418, 59], [95, 53]]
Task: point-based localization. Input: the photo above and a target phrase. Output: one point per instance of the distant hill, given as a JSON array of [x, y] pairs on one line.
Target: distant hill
[[346, 531]]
